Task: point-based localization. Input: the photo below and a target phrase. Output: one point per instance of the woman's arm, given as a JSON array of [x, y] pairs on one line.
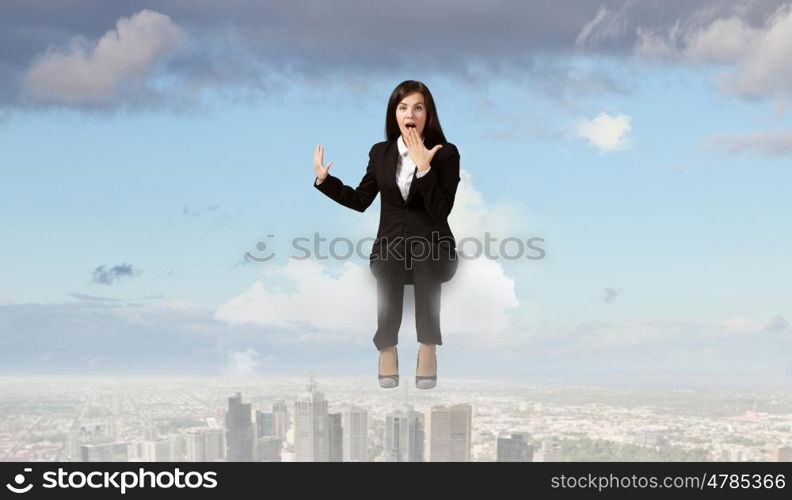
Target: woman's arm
[[358, 198], [439, 185]]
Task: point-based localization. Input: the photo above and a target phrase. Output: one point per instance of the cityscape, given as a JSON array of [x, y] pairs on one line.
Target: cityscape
[[175, 286], [336, 419]]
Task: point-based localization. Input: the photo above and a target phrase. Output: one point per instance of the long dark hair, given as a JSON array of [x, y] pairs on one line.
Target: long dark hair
[[433, 132]]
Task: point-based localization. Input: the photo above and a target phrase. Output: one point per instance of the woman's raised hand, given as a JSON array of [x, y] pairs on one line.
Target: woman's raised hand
[[418, 152], [319, 167]]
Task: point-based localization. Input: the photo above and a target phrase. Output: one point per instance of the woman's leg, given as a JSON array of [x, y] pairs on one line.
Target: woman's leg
[[427, 302], [427, 320], [390, 300]]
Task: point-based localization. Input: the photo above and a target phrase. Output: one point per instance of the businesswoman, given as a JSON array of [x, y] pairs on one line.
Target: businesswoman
[[416, 172]]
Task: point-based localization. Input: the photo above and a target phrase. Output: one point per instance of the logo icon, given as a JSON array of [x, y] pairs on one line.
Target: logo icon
[[19, 479]]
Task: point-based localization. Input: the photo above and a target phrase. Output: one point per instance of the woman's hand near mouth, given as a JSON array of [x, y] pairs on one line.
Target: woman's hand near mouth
[[418, 152]]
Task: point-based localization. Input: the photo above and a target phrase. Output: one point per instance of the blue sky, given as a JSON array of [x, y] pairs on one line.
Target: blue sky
[[663, 236]]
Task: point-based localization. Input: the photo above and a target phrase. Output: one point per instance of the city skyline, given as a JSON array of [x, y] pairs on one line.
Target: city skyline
[[286, 419]]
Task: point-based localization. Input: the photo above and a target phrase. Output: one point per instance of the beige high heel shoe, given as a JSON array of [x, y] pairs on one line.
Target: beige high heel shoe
[[425, 381], [389, 381]]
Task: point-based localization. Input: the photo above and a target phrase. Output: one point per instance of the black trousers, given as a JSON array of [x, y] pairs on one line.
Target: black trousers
[[392, 274]]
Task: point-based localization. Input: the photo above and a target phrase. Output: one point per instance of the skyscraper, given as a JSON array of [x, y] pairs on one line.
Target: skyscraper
[[268, 449], [280, 419], [449, 429], [517, 448], [104, 452], [239, 430], [160, 450], [551, 450], [335, 437], [311, 434], [204, 445], [404, 435], [781, 453], [263, 423], [355, 424]]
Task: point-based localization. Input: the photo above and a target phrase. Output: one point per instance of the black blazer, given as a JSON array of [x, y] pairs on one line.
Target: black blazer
[[425, 212]]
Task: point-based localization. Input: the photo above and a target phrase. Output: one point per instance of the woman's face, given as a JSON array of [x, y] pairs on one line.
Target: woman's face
[[411, 111]]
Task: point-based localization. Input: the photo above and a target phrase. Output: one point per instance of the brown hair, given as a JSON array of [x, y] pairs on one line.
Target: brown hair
[[433, 133]]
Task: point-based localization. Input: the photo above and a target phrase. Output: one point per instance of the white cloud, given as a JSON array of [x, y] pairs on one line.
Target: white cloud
[[605, 132], [592, 27], [702, 339], [750, 325], [604, 26], [475, 302], [472, 215], [242, 363], [179, 305], [763, 65], [772, 143], [96, 72], [725, 40], [740, 323], [776, 324], [758, 55], [344, 303], [96, 336]]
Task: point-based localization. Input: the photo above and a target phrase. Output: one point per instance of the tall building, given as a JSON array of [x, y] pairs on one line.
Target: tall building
[[355, 424], [92, 434], [311, 434], [263, 423], [449, 431], [204, 445], [105, 452], [239, 430], [335, 437], [404, 435], [178, 453], [160, 450], [150, 433], [551, 450], [74, 445], [280, 419], [268, 449], [517, 448], [781, 454]]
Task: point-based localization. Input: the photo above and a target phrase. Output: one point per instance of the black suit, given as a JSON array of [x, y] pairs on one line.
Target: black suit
[[414, 243]]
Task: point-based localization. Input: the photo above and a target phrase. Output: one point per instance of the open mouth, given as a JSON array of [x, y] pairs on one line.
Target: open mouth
[[409, 125]]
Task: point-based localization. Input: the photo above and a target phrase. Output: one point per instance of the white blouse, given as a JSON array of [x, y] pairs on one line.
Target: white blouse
[[405, 168]]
